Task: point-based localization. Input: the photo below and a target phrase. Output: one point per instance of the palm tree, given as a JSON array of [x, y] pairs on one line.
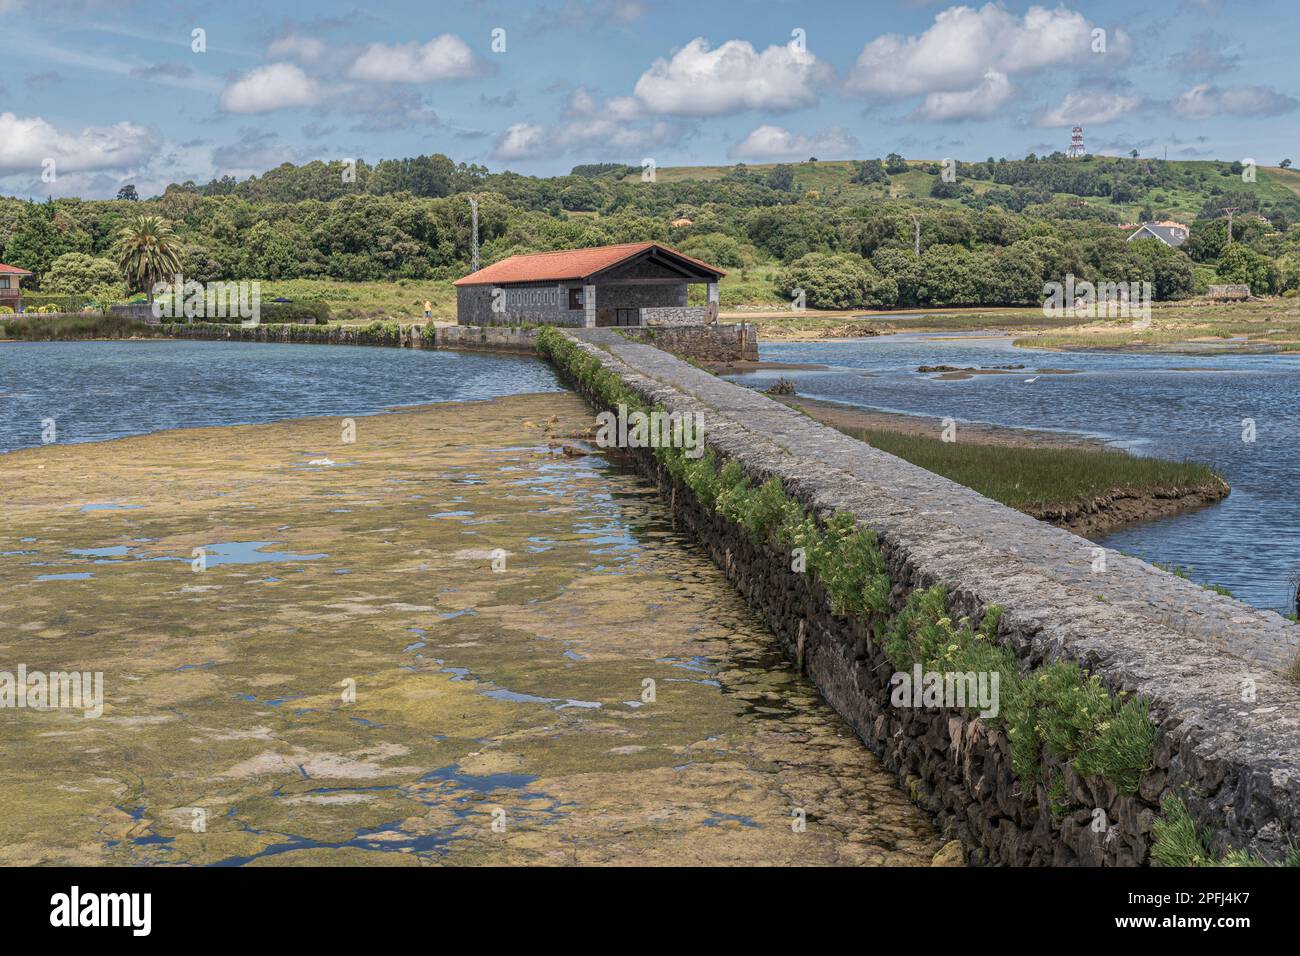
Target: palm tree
[[147, 252]]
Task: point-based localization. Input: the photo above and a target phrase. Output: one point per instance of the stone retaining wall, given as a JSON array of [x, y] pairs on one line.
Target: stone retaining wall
[[471, 338], [703, 343], [1228, 723]]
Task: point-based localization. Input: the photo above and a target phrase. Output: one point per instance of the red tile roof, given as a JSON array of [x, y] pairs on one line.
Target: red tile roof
[[12, 270], [568, 264]]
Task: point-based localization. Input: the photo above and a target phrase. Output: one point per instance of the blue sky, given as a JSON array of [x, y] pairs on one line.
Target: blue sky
[[115, 91]]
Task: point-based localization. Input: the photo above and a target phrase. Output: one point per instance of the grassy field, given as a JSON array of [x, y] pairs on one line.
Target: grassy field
[[1037, 480], [363, 302], [1272, 325]]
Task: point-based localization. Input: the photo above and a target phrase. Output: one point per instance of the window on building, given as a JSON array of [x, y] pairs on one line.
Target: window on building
[[4, 283], [575, 298]]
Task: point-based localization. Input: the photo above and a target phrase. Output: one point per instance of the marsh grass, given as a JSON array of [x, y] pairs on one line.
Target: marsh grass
[[1040, 479], [92, 325]]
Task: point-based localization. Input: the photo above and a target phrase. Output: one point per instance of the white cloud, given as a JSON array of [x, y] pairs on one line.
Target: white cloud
[[27, 142], [274, 87], [615, 125], [445, 57], [698, 81], [981, 102], [525, 141], [1090, 108], [965, 43], [297, 47], [777, 142], [1203, 101]]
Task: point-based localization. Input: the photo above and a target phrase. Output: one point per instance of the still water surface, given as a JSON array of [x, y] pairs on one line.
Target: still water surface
[[1174, 406], [99, 390]]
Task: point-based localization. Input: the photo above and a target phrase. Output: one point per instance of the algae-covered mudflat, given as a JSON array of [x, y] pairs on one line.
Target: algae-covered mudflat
[[445, 642]]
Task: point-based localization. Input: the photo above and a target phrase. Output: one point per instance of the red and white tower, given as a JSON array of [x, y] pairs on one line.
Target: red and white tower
[[1076, 142]]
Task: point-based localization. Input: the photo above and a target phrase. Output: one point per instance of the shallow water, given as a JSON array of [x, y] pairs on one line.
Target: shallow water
[[1174, 406], [396, 713], [98, 390]]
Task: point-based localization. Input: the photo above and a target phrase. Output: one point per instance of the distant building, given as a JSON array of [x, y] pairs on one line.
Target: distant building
[[10, 277], [682, 222], [1170, 233], [633, 284]]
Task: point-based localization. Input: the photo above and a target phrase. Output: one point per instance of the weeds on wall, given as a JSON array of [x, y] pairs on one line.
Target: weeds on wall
[[1178, 843]]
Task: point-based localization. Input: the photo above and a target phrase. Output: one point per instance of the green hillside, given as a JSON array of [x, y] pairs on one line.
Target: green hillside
[[1178, 189]]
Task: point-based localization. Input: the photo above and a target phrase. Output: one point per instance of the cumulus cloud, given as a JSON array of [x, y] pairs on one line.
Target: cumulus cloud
[[1203, 101], [699, 81], [980, 102], [445, 57], [1089, 108], [525, 141], [274, 87], [618, 124], [777, 142], [965, 43], [27, 142]]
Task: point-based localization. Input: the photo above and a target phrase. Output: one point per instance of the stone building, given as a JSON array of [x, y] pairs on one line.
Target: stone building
[[633, 284]]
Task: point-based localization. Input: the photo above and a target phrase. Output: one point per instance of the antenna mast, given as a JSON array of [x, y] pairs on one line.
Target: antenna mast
[[1076, 143]]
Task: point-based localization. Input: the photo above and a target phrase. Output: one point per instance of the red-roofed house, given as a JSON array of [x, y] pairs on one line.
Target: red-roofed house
[[10, 276], [636, 284]]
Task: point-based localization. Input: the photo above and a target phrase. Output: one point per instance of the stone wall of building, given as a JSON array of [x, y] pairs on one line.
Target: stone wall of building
[[540, 304], [681, 315], [1226, 717]]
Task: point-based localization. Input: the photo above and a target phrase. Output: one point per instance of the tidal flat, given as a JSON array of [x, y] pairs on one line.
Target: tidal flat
[[431, 646]]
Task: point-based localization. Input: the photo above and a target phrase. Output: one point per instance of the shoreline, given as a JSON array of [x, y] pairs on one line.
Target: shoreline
[[1089, 518]]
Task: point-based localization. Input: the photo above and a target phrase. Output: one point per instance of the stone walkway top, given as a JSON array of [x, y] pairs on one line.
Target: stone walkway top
[[895, 493]]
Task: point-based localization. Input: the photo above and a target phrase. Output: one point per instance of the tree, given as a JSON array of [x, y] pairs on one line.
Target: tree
[[1285, 164], [147, 252], [128, 192], [866, 172], [895, 164], [1242, 265], [76, 273], [781, 177], [840, 281]]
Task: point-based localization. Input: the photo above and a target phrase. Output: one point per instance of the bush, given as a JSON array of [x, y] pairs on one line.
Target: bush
[[278, 313]]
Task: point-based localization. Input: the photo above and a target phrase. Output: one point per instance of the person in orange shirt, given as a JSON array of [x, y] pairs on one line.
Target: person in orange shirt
[[428, 310]]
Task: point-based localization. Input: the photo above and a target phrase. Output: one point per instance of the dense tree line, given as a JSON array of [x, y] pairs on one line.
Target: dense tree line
[[1008, 231]]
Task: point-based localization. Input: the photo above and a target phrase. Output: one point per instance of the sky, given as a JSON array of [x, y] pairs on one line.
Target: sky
[[95, 94]]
